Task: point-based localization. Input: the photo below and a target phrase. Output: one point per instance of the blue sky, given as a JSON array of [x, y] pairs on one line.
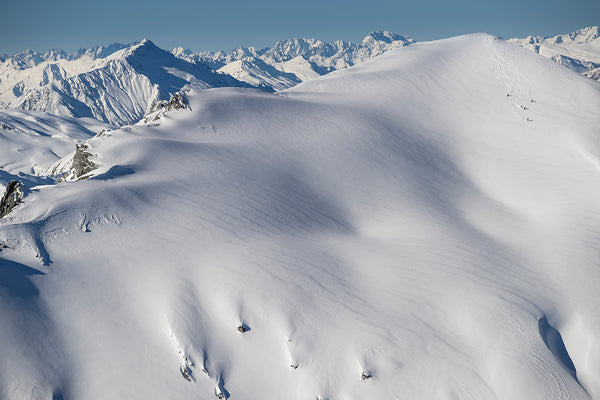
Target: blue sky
[[225, 24]]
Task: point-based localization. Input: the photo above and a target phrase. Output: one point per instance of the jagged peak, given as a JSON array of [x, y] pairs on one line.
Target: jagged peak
[[143, 48], [181, 52], [386, 37], [586, 34], [144, 44], [582, 35]]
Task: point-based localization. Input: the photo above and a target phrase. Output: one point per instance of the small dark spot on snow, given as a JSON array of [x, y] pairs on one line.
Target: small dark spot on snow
[[186, 372], [243, 328], [365, 376]]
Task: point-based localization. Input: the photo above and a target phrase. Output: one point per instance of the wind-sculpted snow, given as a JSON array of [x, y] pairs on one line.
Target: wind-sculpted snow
[[421, 226]]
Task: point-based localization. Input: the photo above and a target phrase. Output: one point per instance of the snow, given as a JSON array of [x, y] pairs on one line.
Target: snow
[[258, 73], [400, 219], [31, 140]]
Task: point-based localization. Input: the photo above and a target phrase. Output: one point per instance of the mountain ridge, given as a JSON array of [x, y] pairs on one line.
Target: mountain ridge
[[320, 57], [118, 89], [579, 50], [94, 83]]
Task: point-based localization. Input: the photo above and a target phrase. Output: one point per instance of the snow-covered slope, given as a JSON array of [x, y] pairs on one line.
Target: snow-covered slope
[[256, 72], [119, 88], [30, 141], [295, 60], [579, 50], [399, 229]]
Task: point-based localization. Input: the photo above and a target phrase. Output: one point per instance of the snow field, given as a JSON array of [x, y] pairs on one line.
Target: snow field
[[400, 219]]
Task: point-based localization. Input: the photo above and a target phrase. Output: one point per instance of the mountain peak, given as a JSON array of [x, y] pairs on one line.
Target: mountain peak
[[586, 34], [143, 48], [181, 52], [386, 37], [145, 44]]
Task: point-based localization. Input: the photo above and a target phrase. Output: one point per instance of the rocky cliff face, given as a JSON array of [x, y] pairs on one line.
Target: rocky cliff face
[[12, 196]]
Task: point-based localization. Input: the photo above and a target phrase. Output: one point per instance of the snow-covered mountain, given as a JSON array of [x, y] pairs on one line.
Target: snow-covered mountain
[[119, 88], [579, 50], [397, 229], [292, 61], [258, 73], [29, 70]]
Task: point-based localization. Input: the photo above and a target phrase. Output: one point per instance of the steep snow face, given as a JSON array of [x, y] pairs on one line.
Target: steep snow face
[[304, 58], [120, 88], [361, 235], [579, 50]]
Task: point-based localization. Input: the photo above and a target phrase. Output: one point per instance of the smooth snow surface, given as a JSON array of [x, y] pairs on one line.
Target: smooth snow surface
[[403, 221]]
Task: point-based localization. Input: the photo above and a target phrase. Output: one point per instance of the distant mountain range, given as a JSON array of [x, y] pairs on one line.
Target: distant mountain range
[[292, 61], [119, 84], [118, 88], [579, 50]]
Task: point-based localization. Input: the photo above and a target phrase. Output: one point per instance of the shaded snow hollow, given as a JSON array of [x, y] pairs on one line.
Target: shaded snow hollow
[[413, 227]]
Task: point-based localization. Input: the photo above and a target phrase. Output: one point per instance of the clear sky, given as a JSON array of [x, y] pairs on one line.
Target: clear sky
[[226, 24]]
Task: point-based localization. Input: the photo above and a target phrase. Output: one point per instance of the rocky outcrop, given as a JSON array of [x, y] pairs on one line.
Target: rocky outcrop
[[12, 196], [81, 165], [177, 101]]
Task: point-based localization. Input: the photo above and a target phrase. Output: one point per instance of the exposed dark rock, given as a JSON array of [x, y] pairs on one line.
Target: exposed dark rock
[[186, 372], [81, 166], [365, 376], [81, 161], [243, 328], [176, 102], [12, 196]]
